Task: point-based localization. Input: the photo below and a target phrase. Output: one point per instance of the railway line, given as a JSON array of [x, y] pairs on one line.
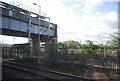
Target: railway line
[[45, 74], [10, 73]]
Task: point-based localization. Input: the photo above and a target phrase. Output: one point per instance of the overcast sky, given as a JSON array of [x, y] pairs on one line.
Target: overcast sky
[[80, 20]]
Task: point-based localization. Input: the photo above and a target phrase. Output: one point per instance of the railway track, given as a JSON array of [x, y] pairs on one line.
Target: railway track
[[47, 74], [26, 71]]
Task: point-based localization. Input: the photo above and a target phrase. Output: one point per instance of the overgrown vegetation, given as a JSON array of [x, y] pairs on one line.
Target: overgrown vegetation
[[89, 53], [89, 47]]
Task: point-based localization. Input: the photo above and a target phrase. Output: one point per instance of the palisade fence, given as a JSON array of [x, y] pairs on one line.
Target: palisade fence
[[107, 58], [17, 51], [22, 52], [102, 58], [8, 52]]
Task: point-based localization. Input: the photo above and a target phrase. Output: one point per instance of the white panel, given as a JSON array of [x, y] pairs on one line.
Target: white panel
[[10, 13]]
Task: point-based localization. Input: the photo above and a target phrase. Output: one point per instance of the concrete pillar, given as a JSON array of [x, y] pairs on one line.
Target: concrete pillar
[[30, 48], [52, 40], [35, 46]]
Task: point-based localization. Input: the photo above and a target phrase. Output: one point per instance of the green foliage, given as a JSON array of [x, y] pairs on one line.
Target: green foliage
[[74, 45], [114, 40], [90, 48], [79, 51]]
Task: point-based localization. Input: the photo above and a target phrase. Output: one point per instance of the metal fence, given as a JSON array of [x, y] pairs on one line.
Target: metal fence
[[12, 52], [105, 60], [102, 59]]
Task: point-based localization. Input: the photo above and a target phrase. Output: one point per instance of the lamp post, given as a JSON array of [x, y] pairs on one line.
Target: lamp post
[[38, 32]]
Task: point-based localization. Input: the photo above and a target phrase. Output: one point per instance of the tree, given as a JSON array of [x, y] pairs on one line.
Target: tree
[[114, 40], [91, 47], [72, 44]]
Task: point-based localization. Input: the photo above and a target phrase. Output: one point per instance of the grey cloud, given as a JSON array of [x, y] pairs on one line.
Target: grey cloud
[[98, 37], [95, 36], [70, 33], [111, 24]]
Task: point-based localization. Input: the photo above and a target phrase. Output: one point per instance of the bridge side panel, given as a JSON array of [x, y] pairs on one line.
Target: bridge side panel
[[17, 25], [23, 26], [5, 22], [14, 24]]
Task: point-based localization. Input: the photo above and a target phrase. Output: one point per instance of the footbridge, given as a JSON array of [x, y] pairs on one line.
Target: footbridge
[[19, 22]]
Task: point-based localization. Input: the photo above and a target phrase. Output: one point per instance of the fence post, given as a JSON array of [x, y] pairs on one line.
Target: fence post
[[6, 51], [2, 52], [118, 56], [104, 58]]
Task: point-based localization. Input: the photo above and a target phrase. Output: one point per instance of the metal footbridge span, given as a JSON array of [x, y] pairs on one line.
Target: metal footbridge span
[[19, 22]]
